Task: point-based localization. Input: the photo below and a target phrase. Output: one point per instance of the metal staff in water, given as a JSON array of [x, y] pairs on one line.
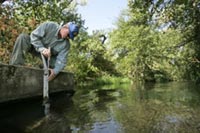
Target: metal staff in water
[[46, 74]]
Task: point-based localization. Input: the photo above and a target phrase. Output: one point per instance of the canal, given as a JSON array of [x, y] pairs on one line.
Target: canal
[[152, 108]]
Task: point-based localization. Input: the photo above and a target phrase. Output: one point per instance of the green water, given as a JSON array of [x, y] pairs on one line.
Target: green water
[[152, 108]]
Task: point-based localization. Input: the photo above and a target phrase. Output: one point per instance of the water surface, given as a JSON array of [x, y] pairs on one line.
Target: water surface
[[153, 108]]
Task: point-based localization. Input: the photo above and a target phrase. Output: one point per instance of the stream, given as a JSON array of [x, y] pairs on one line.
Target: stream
[[151, 108]]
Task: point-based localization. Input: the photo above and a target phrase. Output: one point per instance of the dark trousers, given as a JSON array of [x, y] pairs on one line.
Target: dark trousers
[[21, 47]]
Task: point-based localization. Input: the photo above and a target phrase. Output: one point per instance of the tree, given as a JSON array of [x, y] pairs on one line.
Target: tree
[[184, 15], [88, 58], [140, 49]]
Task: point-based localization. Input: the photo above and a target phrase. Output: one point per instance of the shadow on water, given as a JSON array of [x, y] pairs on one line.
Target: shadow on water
[[30, 115], [153, 108]]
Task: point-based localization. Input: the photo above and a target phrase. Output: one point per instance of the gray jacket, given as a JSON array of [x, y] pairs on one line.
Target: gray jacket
[[46, 35]]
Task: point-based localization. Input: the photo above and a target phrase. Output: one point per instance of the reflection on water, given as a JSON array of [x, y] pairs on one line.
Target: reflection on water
[[46, 108], [154, 108]]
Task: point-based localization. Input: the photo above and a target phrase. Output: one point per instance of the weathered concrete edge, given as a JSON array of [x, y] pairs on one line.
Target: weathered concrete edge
[[19, 82]]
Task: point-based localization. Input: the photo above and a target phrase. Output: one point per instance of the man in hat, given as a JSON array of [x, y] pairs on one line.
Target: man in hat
[[51, 40]]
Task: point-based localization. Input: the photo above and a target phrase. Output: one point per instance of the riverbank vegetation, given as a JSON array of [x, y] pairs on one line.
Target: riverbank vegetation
[[153, 40]]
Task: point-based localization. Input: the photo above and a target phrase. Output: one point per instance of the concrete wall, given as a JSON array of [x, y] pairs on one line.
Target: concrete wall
[[17, 82]]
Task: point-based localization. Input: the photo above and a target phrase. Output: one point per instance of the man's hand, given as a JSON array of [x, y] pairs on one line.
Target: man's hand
[[46, 52], [52, 75]]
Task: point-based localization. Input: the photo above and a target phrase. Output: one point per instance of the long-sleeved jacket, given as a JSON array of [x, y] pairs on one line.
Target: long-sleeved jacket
[[46, 35]]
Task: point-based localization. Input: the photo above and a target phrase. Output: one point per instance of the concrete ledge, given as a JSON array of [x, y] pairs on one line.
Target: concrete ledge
[[18, 82]]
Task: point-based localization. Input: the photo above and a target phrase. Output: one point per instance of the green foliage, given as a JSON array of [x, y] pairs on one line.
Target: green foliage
[[41, 11], [139, 48], [143, 53], [88, 58], [142, 50], [184, 15]]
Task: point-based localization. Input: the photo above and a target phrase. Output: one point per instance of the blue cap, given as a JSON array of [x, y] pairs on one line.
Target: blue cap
[[73, 30]]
